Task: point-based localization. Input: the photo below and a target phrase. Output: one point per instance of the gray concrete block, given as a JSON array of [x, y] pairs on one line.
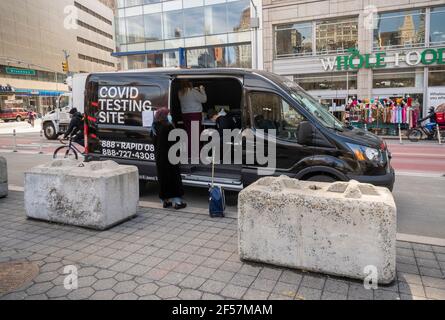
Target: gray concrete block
[[3, 178], [338, 229], [97, 195]]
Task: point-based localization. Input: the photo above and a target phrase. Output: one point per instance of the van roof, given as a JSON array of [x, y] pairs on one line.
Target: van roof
[[180, 71]]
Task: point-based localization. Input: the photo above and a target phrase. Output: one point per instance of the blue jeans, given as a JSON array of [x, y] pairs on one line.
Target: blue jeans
[[173, 200]]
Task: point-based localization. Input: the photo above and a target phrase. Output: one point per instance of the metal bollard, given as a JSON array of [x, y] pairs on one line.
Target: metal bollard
[[41, 142], [366, 127], [439, 137], [15, 140], [400, 134]]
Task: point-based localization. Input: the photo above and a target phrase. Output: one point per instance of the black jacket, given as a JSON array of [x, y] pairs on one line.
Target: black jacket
[[76, 125]]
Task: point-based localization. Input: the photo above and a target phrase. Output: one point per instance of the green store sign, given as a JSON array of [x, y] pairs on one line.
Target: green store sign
[[22, 72], [355, 60]]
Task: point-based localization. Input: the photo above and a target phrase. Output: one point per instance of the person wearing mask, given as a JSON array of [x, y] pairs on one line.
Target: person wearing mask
[[191, 100], [76, 127], [169, 175]]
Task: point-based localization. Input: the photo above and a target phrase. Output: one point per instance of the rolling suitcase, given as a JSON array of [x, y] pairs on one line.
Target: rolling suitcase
[[217, 201]]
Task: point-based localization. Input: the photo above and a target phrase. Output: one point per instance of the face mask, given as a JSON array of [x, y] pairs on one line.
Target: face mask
[[170, 118]]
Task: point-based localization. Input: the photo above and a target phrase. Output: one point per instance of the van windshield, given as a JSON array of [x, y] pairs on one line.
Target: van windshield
[[309, 103]]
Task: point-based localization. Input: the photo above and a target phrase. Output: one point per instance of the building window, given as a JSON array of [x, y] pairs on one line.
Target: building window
[[91, 12], [137, 62], [94, 45], [436, 76], [194, 22], [95, 60], [398, 78], [153, 27], [293, 40], [236, 56], [173, 24], [400, 29], [135, 29], [336, 36], [238, 16], [437, 26], [216, 19], [94, 29], [329, 81]]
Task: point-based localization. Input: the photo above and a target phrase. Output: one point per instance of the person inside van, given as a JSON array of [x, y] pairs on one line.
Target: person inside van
[[171, 189], [192, 100]]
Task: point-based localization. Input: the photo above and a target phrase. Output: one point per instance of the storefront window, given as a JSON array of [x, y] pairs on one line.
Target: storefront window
[[436, 76], [238, 56], [137, 62], [400, 29], [293, 39], [153, 27], [194, 22], [336, 36], [331, 81], [135, 29], [398, 78], [437, 26], [155, 60], [173, 24]]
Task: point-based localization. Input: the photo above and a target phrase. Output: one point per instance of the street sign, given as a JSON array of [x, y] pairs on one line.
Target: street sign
[[23, 72]]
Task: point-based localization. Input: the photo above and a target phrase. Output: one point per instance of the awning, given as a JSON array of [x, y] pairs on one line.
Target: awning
[[41, 93]]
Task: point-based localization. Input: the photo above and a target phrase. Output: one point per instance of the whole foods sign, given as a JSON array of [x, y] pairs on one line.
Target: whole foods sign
[[355, 60]]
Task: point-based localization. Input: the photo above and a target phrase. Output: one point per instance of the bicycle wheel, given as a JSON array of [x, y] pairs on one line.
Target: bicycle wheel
[[65, 152], [415, 135]]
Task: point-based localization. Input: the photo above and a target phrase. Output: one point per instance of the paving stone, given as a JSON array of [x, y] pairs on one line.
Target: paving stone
[[358, 292], [405, 252], [333, 296], [411, 289], [306, 293], [292, 277], [439, 249], [406, 260], [85, 282], [437, 273], [203, 272], [123, 277], [386, 295], [250, 270], [189, 294], [57, 292], [104, 284], [105, 274], [433, 282], [421, 247], [434, 293], [428, 263], [192, 282], [122, 266], [270, 273], [253, 294], [410, 297], [213, 286], [156, 274], [335, 286], [424, 255], [440, 257], [151, 297], [278, 297], [234, 292], [168, 292], [242, 280], [46, 276], [40, 288], [174, 278], [81, 294], [408, 268], [264, 284], [138, 270], [146, 289], [126, 296], [409, 278], [286, 289], [186, 268], [125, 287], [213, 263], [221, 275], [39, 297], [314, 282], [211, 296]]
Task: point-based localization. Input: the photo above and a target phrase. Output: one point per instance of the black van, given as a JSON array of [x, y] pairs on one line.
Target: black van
[[311, 144]]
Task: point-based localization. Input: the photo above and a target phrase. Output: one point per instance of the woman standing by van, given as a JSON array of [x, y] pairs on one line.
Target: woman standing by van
[[169, 176], [191, 106]]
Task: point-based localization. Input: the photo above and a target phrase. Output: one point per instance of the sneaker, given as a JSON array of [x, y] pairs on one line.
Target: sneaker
[[167, 204], [179, 206]]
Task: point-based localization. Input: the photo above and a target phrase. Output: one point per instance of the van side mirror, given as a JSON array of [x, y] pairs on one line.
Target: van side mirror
[[306, 132]]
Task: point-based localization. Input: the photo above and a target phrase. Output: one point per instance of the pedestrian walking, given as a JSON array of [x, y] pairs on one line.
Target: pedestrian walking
[[31, 118], [171, 189]]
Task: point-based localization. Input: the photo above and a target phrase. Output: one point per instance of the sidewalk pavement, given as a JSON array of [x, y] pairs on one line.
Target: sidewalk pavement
[[180, 255], [20, 127]]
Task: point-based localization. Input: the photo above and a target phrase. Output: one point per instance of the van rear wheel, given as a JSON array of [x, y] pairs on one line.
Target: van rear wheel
[[322, 178]]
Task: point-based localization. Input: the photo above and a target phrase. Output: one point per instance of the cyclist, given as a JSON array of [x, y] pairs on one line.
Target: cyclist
[[76, 127], [432, 118]]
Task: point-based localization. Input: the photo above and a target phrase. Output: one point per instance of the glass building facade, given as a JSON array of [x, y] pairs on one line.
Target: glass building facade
[[213, 33]]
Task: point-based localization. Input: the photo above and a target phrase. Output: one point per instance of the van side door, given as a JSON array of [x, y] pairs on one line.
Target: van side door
[[119, 114]]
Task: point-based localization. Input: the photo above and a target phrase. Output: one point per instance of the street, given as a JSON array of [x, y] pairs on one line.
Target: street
[[419, 189]]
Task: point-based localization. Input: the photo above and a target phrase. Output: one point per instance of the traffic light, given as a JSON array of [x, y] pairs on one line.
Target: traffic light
[[65, 67]]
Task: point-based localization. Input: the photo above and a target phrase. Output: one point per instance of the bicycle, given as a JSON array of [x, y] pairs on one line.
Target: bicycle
[[67, 151], [429, 131]]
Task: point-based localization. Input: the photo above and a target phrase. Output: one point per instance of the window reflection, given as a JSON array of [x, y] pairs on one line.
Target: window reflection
[[153, 27], [194, 22], [334, 81], [293, 39], [216, 19], [173, 25], [437, 29], [336, 36], [400, 29], [135, 29], [397, 79], [239, 56]]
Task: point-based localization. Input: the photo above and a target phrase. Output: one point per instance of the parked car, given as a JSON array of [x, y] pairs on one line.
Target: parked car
[[13, 114]]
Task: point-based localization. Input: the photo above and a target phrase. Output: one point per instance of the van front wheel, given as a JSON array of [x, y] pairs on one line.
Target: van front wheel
[[322, 178]]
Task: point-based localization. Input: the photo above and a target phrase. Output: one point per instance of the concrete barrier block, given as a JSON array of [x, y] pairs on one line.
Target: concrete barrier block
[[95, 195], [338, 229], [3, 178]]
